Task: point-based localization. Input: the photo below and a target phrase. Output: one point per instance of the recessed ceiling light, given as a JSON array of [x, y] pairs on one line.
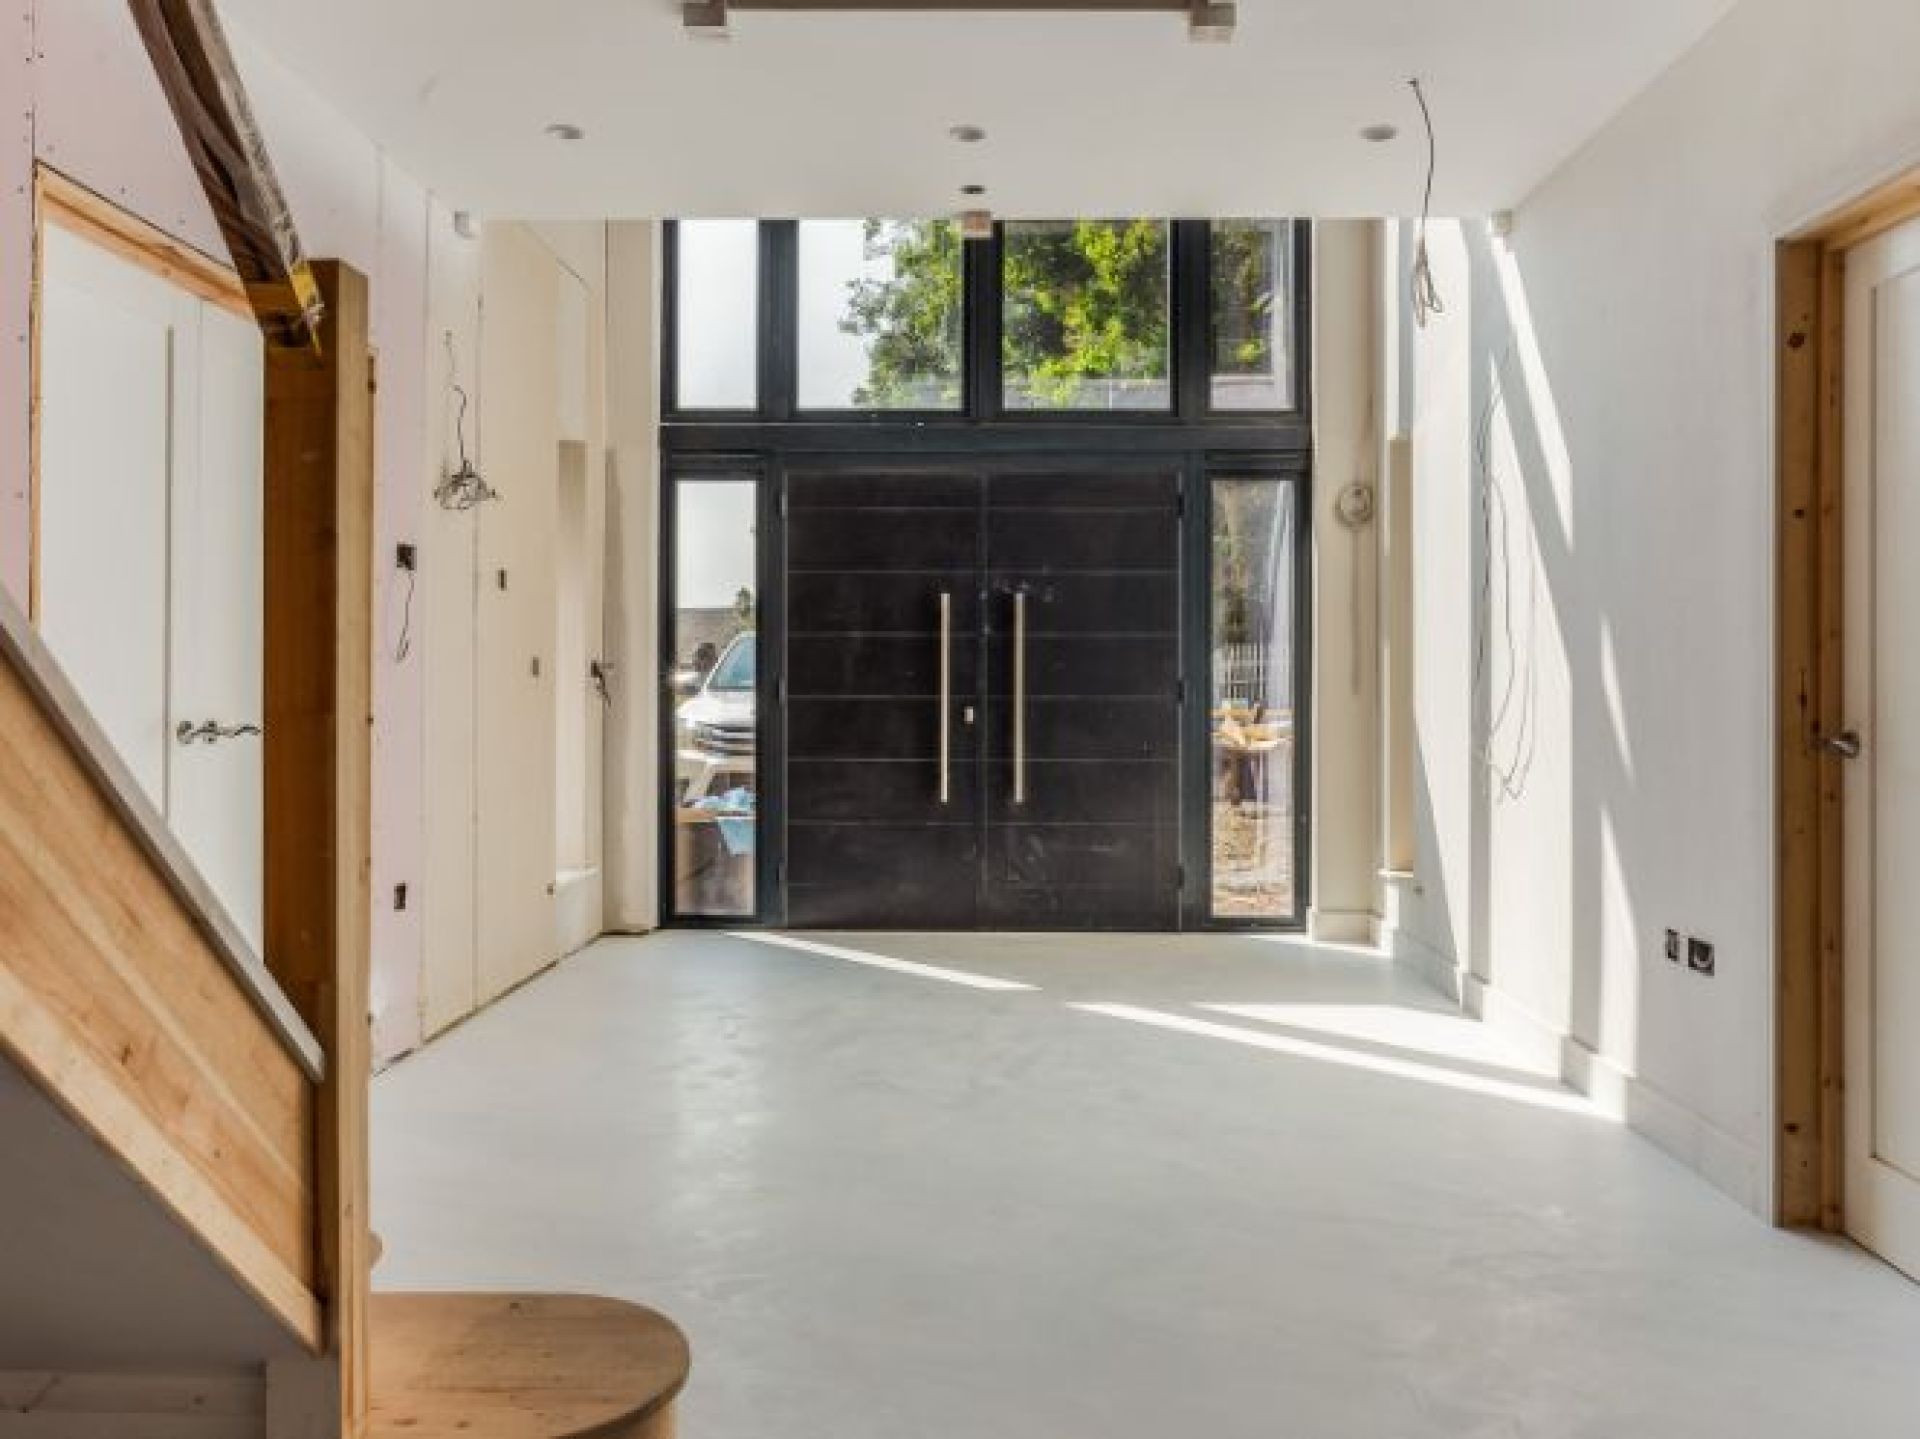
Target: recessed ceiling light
[[564, 131], [1380, 134], [973, 189], [968, 134]]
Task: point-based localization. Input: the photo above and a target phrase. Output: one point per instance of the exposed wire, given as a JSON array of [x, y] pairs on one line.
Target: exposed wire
[[1424, 289], [1511, 719], [463, 487], [404, 647]]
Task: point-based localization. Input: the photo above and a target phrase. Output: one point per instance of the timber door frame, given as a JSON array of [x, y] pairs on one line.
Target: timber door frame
[[1810, 648]]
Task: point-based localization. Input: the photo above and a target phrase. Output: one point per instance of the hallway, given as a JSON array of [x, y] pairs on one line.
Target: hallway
[[1065, 1187]]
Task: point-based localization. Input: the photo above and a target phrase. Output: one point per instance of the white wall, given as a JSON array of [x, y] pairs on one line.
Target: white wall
[[1629, 328], [633, 505], [1345, 750]]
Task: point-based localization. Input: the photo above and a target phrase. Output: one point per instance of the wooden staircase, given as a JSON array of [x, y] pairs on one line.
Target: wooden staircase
[[238, 1112], [207, 1107], [522, 1366]]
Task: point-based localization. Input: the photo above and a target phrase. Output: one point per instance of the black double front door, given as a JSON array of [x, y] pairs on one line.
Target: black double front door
[[982, 688]]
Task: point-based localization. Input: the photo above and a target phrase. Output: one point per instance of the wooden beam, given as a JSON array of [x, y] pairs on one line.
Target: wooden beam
[[195, 67], [319, 716]]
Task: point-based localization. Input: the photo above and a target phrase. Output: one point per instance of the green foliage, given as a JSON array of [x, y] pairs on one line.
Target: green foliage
[[912, 321], [1247, 286], [1086, 303]]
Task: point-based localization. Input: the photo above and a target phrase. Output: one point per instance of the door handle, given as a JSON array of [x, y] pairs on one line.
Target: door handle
[[211, 731], [1845, 745], [1020, 697], [946, 698]]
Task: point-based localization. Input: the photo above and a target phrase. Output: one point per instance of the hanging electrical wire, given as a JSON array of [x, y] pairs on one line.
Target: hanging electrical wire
[[1425, 291], [1512, 729], [404, 646], [462, 488]]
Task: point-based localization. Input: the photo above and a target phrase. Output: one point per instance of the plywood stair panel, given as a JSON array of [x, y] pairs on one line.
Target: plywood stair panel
[[522, 1366]]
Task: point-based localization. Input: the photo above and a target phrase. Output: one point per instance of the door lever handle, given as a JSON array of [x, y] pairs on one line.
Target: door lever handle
[[211, 731], [1845, 745]]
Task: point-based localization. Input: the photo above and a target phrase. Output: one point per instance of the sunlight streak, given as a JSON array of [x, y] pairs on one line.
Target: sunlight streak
[[1562, 1100]]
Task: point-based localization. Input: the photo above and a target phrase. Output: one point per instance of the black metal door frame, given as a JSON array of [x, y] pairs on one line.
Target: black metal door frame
[[765, 444]]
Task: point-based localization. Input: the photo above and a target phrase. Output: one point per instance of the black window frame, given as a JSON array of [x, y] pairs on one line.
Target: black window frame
[[1207, 444], [1190, 334]]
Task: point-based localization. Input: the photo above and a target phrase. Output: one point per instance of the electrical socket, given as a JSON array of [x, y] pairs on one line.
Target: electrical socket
[[1673, 945], [1700, 957], [400, 896], [407, 557]]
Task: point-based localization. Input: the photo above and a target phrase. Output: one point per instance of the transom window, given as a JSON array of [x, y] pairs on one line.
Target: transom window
[[1120, 320]]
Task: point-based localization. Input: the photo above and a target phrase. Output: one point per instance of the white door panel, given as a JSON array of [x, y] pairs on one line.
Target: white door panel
[[110, 350], [150, 540], [216, 793], [1883, 786]]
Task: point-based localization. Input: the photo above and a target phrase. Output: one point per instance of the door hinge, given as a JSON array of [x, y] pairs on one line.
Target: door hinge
[[780, 690], [783, 503], [1180, 878], [1180, 691]]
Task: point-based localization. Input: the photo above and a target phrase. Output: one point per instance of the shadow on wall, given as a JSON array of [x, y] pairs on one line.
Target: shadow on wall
[[1559, 840]]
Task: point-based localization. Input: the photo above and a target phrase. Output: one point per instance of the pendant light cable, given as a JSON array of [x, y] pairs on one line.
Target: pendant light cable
[[1425, 292]]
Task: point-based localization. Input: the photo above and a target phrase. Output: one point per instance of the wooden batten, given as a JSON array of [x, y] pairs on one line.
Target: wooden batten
[[67, 203], [319, 718]]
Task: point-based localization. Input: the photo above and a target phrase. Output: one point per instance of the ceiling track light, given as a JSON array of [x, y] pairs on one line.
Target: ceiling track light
[[1208, 21]]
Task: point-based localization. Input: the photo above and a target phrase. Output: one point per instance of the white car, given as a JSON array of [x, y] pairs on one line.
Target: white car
[[714, 728]]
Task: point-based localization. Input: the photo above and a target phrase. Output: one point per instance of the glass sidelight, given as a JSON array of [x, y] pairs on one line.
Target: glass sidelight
[[1254, 724], [713, 690]]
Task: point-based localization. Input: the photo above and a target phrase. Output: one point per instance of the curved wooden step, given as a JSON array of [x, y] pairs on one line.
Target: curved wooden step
[[522, 1366]]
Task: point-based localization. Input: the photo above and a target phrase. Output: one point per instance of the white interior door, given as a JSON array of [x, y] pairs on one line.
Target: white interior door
[[151, 463], [215, 791], [1883, 784], [115, 348]]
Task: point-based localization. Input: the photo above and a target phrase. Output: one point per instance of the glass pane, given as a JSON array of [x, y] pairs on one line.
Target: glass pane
[[717, 315], [1253, 717], [715, 698], [1252, 331], [1085, 315], [880, 306]]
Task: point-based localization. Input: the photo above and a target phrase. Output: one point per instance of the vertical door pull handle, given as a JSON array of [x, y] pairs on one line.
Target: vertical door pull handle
[[1020, 697], [946, 698]]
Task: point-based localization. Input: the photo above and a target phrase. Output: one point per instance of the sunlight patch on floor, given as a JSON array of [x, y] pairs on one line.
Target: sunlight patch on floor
[[966, 978], [1535, 1092]]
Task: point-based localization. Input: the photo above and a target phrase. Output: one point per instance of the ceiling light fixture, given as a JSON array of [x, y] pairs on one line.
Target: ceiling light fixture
[[706, 19], [973, 189], [1211, 22], [1208, 21], [1380, 134], [968, 134], [562, 130]]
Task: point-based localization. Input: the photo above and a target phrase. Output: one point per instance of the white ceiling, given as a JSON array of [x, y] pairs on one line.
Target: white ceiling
[[840, 114]]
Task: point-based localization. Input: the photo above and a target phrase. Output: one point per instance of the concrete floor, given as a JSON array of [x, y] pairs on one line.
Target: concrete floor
[[1259, 1190]]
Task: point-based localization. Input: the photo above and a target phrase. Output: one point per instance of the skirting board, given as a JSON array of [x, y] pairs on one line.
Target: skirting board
[[1730, 1164], [1340, 926], [1420, 959]]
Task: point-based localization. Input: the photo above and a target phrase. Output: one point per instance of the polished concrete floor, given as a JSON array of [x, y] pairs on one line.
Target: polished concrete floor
[[983, 1187]]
